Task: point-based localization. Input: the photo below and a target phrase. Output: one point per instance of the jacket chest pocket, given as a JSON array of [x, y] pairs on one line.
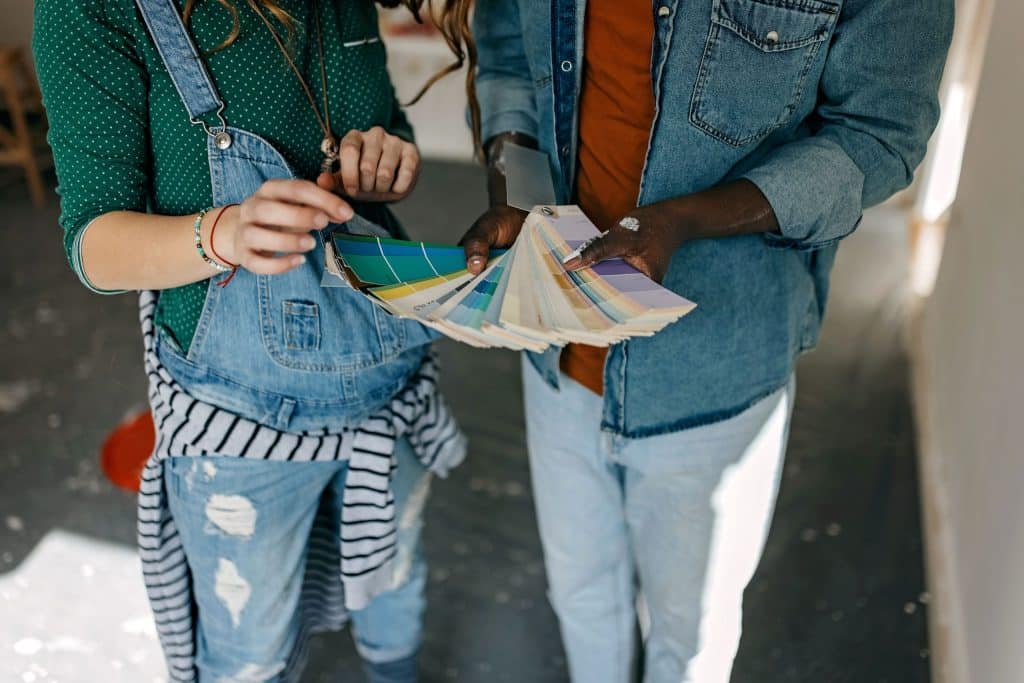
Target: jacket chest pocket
[[755, 64]]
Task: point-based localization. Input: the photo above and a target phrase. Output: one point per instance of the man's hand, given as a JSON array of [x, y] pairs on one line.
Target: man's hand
[[500, 225], [644, 239], [375, 166], [647, 237], [496, 229]]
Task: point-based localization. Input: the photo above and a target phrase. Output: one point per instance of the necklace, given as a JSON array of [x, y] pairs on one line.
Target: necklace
[[328, 146]]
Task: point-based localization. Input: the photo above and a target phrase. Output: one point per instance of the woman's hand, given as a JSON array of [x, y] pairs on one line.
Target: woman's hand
[[375, 166], [268, 233]]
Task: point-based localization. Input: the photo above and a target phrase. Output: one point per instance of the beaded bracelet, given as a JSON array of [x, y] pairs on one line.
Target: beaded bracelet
[[197, 231]]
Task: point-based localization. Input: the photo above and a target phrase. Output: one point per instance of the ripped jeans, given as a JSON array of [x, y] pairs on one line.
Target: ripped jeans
[[245, 525]]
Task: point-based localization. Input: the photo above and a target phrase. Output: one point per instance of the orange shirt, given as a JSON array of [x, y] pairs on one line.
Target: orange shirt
[[616, 112]]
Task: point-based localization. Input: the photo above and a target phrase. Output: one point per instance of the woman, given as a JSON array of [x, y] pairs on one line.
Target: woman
[[297, 425]]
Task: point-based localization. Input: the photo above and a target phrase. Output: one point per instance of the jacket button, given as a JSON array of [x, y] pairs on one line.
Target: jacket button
[[664, 11], [772, 37], [567, 66]]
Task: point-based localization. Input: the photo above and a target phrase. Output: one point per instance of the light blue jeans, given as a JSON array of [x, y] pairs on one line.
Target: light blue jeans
[[673, 525], [245, 527]]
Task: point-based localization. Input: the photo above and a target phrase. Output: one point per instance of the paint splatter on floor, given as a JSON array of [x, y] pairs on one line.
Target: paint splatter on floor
[[15, 394]]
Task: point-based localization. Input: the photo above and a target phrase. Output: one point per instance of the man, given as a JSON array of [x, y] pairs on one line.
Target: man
[[726, 146]]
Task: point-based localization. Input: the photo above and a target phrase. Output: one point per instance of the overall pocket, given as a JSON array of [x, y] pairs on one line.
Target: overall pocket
[[332, 330], [307, 327], [755, 64]]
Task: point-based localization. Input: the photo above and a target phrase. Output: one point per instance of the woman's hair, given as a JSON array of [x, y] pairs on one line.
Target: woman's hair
[[451, 16]]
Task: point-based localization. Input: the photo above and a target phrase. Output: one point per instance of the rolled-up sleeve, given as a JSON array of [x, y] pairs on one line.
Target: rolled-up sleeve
[[878, 105], [95, 93], [503, 83]]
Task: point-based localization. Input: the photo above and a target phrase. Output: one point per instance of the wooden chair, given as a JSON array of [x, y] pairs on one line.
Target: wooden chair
[[20, 96]]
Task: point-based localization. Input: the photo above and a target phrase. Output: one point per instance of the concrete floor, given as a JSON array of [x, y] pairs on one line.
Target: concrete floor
[[838, 597]]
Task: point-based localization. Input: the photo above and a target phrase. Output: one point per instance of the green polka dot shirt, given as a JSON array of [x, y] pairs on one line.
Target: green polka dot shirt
[[121, 137]]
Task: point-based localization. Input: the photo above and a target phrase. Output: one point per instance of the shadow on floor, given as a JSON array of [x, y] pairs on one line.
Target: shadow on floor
[[836, 598]]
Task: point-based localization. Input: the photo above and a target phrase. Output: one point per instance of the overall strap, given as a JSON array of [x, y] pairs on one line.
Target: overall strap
[[179, 55]]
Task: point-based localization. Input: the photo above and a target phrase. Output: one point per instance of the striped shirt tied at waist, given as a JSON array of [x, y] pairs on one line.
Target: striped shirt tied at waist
[[366, 550]]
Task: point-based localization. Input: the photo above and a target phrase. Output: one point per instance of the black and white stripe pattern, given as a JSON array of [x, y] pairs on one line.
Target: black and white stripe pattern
[[344, 573]]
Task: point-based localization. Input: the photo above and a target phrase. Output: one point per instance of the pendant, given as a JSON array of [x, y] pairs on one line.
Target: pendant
[[329, 147], [330, 151]]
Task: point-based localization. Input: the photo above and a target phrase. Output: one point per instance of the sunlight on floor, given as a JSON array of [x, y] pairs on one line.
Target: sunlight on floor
[[77, 611]]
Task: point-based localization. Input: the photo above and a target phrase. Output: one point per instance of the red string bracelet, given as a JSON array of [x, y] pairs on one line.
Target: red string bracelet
[[234, 266]]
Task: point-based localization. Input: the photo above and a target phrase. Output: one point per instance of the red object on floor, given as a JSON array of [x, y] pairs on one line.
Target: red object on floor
[[125, 451]]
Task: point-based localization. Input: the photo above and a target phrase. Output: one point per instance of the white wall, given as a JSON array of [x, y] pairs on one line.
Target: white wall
[[16, 24], [440, 117], [969, 376]]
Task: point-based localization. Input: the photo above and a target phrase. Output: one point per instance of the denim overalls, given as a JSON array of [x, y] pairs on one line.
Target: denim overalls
[[278, 349]]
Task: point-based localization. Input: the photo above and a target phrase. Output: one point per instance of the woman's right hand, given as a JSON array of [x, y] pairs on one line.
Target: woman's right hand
[[269, 232]]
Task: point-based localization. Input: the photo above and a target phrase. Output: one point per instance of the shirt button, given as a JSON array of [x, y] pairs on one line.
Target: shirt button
[[565, 150], [772, 37], [567, 66], [664, 11]]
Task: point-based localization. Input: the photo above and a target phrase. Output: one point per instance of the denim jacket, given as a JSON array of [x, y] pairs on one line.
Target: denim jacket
[[825, 105]]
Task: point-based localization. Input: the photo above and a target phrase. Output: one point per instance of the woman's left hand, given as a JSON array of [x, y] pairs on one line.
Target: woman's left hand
[[375, 166]]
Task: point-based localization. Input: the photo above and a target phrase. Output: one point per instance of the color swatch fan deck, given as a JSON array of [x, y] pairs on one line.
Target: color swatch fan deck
[[524, 298]]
